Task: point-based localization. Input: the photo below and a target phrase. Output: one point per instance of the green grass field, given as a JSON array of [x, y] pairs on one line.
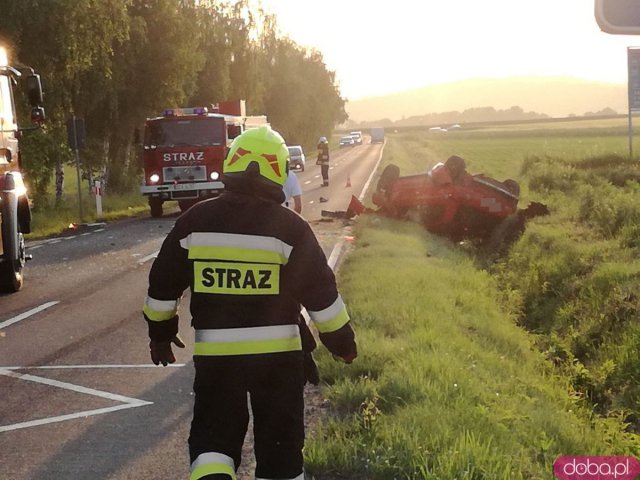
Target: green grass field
[[476, 371]]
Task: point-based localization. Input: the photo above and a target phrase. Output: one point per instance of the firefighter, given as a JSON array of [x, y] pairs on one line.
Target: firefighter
[[250, 264], [323, 160]]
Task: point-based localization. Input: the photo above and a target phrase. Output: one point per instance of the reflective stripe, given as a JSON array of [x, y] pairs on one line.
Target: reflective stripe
[[248, 341], [232, 246], [331, 318], [299, 477], [211, 463], [160, 310]]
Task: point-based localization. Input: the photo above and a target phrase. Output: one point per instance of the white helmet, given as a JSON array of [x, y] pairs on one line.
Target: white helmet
[[323, 140]]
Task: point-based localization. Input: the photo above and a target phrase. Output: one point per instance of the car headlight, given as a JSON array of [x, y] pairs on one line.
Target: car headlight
[[214, 176], [154, 178]]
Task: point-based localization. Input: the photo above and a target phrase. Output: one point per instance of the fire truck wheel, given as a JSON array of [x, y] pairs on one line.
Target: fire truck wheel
[[155, 205], [12, 265]]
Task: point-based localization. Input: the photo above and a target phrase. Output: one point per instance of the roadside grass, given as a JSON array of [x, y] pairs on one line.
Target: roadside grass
[[51, 219], [470, 370], [577, 274], [446, 385]]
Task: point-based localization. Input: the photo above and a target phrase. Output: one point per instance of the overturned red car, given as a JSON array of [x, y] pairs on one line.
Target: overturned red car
[[449, 201]]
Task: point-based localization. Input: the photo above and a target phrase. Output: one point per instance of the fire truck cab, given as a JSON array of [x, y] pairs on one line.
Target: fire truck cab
[[15, 213], [184, 149]]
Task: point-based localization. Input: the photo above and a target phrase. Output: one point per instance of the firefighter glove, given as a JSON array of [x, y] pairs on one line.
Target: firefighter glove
[[346, 358], [161, 350]]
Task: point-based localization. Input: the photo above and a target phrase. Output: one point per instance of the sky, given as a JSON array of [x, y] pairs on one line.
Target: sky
[[380, 47]]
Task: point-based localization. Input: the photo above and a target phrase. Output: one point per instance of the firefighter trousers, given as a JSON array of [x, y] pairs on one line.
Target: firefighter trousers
[[274, 383], [324, 169]]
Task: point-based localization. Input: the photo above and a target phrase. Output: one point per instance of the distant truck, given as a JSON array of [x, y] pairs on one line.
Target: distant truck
[[184, 149], [377, 135], [15, 212]]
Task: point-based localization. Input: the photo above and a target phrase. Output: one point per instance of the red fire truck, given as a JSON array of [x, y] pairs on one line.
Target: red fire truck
[[184, 149], [15, 212]]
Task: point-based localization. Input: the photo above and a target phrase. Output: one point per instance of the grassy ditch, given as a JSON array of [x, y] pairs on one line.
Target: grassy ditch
[[446, 385], [469, 370]]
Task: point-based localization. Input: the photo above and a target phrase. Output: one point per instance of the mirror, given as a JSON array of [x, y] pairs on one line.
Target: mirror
[[34, 90]]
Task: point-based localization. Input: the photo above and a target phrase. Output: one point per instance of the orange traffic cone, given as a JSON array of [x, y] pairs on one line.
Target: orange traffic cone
[[348, 182]]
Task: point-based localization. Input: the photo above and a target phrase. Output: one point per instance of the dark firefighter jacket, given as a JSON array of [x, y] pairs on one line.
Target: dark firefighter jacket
[[323, 154], [250, 264]]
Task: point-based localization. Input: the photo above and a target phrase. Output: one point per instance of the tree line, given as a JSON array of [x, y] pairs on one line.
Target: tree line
[[116, 62], [470, 115]]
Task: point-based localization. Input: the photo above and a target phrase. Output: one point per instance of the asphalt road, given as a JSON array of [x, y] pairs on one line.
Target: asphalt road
[[79, 397]]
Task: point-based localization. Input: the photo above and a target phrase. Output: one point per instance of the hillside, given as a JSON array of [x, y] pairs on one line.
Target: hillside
[[553, 96]]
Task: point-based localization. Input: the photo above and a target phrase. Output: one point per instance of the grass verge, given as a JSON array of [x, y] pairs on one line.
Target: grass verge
[[446, 385]]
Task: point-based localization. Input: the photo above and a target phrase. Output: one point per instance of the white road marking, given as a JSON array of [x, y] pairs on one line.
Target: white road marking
[[69, 386], [27, 314], [337, 249], [335, 253], [72, 367], [148, 257], [62, 418], [128, 402]]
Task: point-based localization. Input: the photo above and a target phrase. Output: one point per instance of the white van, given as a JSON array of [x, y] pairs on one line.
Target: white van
[[357, 136]]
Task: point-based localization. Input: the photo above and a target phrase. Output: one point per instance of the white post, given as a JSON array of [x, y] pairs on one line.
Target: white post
[[98, 200]]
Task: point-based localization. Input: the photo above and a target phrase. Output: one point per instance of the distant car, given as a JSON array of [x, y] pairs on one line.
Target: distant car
[[296, 157], [437, 129], [347, 141], [357, 136]]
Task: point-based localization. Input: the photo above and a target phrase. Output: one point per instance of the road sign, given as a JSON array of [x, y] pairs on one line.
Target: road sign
[[633, 60], [76, 136], [620, 17]]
